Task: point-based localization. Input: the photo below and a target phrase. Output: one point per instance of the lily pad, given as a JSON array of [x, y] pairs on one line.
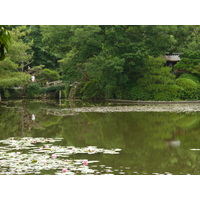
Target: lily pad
[[34, 155]]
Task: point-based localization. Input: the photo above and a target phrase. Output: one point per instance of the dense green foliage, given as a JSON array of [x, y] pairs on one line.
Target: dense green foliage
[[11, 67], [189, 88], [4, 41], [108, 62]]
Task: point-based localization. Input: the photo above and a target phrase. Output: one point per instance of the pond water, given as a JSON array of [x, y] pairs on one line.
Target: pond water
[[43, 138]]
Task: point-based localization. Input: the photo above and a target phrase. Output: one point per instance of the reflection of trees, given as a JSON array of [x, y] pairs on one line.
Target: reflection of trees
[[141, 136], [18, 121], [9, 122], [26, 121]]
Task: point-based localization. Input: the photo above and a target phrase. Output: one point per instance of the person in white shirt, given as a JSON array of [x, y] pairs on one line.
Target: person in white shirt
[[33, 78]]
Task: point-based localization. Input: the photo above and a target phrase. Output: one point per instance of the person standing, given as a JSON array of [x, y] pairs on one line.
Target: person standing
[[33, 78]]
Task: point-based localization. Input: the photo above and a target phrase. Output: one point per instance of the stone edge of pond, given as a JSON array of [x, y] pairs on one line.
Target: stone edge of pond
[[139, 108], [150, 102]]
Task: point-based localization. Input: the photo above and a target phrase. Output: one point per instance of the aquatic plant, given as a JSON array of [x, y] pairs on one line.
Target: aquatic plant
[[29, 155]]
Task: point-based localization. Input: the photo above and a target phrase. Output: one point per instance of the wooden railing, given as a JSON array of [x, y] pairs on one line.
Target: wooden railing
[[54, 83]]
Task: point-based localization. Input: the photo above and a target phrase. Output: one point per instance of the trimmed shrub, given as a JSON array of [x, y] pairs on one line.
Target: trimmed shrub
[[191, 77], [33, 89], [175, 92], [189, 87], [170, 93]]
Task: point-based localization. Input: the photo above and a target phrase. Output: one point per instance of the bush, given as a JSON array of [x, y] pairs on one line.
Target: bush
[[191, 77], [34, 89], [175, 92], [162, 96], [6, 94], [189, 88], [55, 88], [91, 90], [15, 94], [109, 91], [48, 75], [170, 93], [138, 93], [160, 92]]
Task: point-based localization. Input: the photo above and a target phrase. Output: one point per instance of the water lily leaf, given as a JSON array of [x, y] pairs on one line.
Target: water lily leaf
[[34, 159]]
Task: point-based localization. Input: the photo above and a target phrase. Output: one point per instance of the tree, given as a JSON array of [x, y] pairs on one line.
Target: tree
[[42, 54], [190, 63], [113, 56], [189, 88], [47, 75], [158, 80], [4, 41], [108, 61], [84, 43], [55, 39], [12, 67]]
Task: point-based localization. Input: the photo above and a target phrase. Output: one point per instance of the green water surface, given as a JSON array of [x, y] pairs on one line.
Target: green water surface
[[150, 143]]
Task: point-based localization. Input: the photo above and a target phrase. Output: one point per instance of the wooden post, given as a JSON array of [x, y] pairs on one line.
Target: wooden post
[[60, 93]]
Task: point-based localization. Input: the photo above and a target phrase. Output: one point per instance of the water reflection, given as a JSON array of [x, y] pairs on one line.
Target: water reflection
[[151, 143], [172, 141], [33, 117]]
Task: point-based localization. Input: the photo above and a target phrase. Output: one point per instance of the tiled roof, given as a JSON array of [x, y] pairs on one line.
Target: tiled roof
[[174, 57]]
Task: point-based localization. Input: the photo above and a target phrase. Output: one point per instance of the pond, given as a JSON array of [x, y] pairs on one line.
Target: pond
[[47, 138]]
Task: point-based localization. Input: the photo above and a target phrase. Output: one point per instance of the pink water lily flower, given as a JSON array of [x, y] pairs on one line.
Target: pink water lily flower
[[64, 170], [44, 161], [85, 162], [11, 154], [54, 156]]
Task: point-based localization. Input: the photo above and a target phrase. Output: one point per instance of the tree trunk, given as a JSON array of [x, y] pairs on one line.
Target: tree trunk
[[24, 90]]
